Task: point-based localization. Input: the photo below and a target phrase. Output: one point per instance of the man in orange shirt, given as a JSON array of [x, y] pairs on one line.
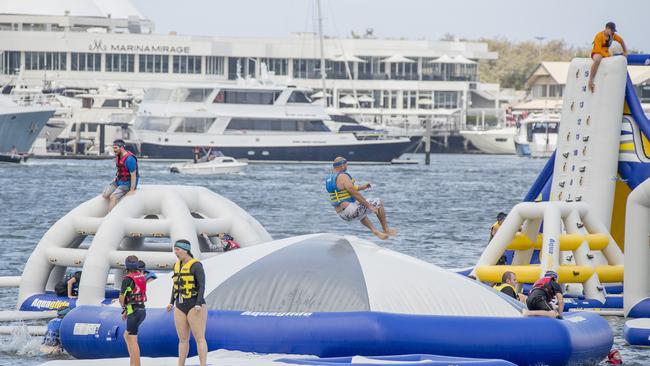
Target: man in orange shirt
[[602, 41]]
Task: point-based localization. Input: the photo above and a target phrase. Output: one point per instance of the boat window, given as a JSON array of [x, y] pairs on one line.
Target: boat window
[[87, 102], [275, 125], [298, 97], [91, 127], [157, 95], [544, 127], [153, 123], [228, 161], [247, 97], [194, 95], [111, 103], [195, 125]]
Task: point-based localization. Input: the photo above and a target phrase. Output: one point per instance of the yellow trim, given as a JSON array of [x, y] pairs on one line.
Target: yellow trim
[[626, 146], [567, 274], [520, 242], [621, 192]]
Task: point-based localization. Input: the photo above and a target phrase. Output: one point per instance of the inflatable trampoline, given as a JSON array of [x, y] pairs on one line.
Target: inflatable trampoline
[[336, 296]]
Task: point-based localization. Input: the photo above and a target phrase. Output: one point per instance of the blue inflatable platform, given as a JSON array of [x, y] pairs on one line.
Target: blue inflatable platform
[[403, 360], [581, 338]]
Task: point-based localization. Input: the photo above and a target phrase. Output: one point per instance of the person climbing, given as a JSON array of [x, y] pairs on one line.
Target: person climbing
[[501, 216], [150, 276], [69, 285], [602, 41], [228, 242], [350, 204], [508, 286], [133, 295], [541, 295], [52, 339], [127, 176], [190, 311]]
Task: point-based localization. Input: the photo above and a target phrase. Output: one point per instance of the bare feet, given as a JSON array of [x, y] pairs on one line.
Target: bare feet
[[380, 235], [391, 232]]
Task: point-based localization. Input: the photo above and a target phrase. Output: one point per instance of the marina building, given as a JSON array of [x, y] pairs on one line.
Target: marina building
[[53, 44]]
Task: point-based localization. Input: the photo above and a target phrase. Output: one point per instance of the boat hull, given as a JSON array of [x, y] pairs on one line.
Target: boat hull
[[376, 152], [493, 141]]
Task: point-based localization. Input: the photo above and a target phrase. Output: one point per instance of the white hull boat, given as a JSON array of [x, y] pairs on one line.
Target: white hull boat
[[220, 165], [497, 141]]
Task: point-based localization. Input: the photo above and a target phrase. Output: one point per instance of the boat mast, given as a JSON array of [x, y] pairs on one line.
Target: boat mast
[[322, 53]]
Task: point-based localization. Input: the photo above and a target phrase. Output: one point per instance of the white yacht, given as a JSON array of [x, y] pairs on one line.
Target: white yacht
[[495, 141], [255, 122], [19, 127], [537, 135]]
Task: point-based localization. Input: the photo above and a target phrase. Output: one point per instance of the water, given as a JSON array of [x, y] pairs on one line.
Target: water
[[443, 211]]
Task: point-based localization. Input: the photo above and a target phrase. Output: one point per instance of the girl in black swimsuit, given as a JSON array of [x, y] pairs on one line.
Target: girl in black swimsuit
[[187, 297]]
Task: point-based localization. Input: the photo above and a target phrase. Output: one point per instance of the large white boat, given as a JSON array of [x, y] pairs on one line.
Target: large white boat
[[255, 122], [495, 141], [537, 135], [19, 127]]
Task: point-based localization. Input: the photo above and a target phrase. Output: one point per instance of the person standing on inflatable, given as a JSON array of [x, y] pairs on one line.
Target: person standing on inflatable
[[350, 204], [187, 296], [602, 42], [132, 298], [127, 176]]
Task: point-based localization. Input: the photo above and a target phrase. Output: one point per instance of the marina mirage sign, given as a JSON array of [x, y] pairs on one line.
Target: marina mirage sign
[[99, 45]]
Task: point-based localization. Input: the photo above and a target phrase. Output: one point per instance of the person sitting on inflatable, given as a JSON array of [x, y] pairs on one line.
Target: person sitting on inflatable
[[350, 204], [540, 296], [508, 286], [602, 43]]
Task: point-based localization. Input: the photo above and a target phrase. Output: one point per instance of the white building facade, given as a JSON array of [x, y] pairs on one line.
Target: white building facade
[[109, 42]]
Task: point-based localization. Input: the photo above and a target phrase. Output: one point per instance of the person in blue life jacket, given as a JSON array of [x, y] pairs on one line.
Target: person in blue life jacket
[[148, 275], [542, 294], [133, 295], [127, 176], [51, 340], [345, 195]]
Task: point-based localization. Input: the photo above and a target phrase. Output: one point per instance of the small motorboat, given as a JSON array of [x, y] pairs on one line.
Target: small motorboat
[[215, 165], [13, 158]]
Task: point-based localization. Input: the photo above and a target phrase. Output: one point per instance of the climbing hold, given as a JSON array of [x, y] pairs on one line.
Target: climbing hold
[[588, 120], [561, 184], [566, 154], [572, 106], [578, 198], [564, 167], [585, 139], [580, 181], [577, 73], [568, 136], [584, 150], [582, 169]]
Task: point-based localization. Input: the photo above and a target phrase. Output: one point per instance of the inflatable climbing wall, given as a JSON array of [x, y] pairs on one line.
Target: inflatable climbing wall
[[586, 161]]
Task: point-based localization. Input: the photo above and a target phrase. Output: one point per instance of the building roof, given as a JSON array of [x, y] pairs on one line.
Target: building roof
[[121, 9], [558, 70], [539, 105]]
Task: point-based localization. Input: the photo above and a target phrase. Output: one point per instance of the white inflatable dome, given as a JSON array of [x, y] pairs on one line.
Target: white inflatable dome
[[332, 273]]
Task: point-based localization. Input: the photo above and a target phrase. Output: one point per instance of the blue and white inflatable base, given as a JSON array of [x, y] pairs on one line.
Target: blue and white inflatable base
[[402, 360], [640, 310], [51, 301], [637, 332], [581, 338]]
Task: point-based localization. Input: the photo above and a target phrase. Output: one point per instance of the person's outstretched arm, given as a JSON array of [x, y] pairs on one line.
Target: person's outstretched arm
[[346, 182]]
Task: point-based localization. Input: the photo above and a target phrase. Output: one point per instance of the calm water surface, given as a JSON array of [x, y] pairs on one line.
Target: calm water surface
[[443, 211]]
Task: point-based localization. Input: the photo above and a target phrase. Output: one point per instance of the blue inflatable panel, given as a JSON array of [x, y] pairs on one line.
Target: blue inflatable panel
[[641, 309], [611, 302], [51, 301], [402, 360], [637, 332], [582, 338]]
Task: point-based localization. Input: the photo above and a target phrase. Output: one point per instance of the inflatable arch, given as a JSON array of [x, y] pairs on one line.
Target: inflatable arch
[[166, 213]]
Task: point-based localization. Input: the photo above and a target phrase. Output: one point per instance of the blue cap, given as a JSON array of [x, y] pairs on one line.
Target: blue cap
[[131, 264], [183, 244], [339, 163], [551, 274]]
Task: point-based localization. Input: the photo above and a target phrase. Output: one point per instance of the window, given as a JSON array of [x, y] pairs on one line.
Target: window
[[373, 68], [555, 91], [446, 99], [187, 64], [152, 123], [154, 63], [195, 125], [193, 95], [45, 61], [286, 125], [86, 61], [298, 97], [277, 65], [111, 103], [10, 62], [306, 69], [247, 97], [119, 62], [214, 65]]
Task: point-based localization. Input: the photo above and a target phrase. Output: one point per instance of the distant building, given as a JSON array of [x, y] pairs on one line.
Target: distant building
[[547, 81], [86, 44]]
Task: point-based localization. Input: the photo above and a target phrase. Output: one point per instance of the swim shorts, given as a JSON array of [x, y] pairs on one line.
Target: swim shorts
[[357, 211]]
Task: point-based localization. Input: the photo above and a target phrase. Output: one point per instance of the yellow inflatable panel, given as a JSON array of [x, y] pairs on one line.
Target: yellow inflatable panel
[[520, 242], [610, 273], [597, 241], [530, 274], [570, 241]]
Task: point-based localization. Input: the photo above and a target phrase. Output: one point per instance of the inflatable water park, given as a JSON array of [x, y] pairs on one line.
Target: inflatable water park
[[344, 300]]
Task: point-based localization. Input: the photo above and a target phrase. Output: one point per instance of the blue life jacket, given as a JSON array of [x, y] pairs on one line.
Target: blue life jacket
[[337, 196]]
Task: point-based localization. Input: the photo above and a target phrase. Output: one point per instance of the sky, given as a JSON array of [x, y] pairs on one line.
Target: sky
[[575, 21]]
